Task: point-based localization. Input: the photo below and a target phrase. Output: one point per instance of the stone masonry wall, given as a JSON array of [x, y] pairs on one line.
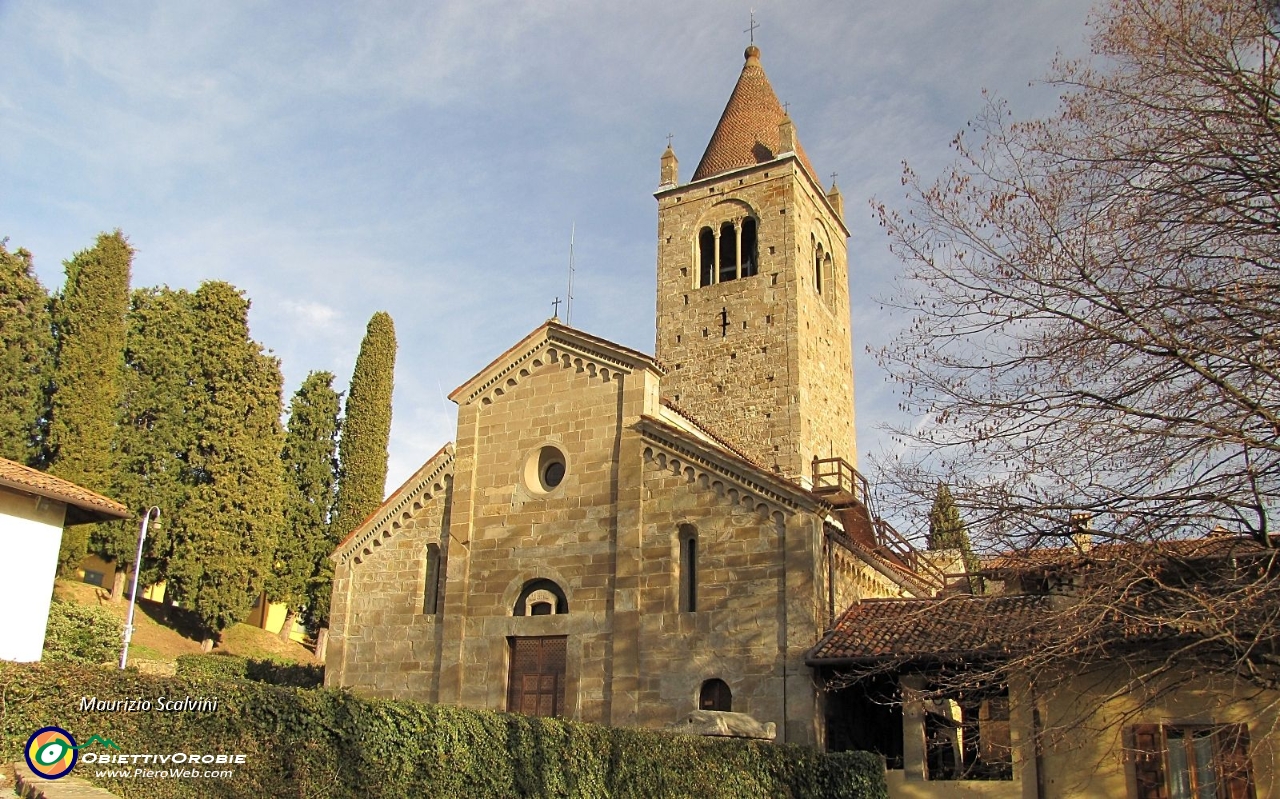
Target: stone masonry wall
[[762, 359], [381, 642], [515, 532], [825, 359], [757, 609]]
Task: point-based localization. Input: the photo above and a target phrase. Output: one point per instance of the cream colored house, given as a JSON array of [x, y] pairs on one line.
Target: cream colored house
[[34, 508], [622, 538], [1129, 719]]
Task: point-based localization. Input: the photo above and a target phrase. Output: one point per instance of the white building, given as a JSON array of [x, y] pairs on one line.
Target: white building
[[34, 507]]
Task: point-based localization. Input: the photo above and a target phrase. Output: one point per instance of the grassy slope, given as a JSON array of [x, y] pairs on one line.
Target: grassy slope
[[160, 635]]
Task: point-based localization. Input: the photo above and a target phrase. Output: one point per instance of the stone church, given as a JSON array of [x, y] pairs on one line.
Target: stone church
[[622, 538]]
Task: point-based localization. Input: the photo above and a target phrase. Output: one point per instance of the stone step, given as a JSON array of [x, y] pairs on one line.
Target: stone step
[[31, 786]]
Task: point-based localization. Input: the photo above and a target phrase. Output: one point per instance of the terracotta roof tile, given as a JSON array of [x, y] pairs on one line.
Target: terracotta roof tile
[[961, 626], [85, 505], [1218, 545], [747, 133]]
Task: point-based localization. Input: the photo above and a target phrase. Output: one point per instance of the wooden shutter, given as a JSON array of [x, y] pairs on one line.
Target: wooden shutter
[[536, 685], [1234, 766], [1148, 761]]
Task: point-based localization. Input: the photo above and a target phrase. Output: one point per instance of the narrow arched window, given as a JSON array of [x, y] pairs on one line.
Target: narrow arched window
[[688, 568], [817, 269], [706, 257], [728, 252], [750, 261], [715, 695], [431, 587]]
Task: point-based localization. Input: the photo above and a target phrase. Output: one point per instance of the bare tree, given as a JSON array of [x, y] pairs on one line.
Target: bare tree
[[1096, 314]]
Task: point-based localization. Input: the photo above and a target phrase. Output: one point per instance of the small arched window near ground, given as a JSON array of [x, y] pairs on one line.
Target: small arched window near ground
[[715, 695], [431, 586], [688, 568], [541, 597]]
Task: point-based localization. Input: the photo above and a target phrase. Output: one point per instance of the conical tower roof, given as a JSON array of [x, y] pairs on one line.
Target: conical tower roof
[[747, 133]]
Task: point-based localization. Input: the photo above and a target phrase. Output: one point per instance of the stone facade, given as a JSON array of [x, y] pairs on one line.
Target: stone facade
[[589, 547]]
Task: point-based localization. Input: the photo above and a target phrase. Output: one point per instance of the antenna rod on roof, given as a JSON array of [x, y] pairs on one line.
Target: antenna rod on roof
[[568, 305]]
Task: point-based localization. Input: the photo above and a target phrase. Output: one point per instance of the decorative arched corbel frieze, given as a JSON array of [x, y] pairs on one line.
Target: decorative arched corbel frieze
[[428, 483], [557, 346], [739, 486]]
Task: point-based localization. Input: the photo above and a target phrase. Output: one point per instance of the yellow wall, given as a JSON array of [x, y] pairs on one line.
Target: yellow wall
[[93, 563], [272, 618], [1086, 719]]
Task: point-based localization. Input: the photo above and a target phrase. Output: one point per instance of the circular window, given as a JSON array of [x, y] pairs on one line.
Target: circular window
[[553, 474], [544, 470]]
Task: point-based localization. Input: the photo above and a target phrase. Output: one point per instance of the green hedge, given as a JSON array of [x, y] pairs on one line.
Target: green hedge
[[79, 633], [220, 666], [327, 743]]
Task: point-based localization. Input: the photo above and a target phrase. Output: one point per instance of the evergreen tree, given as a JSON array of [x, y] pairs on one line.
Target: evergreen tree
[[310, 464], [156, 428], [366, 430], [26, 349], [89, 326], [947, 530], [221, 547]]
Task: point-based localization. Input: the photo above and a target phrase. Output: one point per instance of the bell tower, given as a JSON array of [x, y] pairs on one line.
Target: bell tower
[[753, 300]]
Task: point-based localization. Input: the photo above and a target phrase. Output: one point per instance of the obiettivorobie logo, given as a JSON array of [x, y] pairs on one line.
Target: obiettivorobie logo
[[52, 752]]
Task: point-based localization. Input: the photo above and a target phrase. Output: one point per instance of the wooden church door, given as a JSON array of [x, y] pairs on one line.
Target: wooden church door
[[536, 686]]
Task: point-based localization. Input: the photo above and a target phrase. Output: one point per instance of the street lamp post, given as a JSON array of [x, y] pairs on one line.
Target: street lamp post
[[152, 513]]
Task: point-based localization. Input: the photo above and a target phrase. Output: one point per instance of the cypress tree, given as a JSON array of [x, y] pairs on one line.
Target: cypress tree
[[310, 464], [223, 544], [26, 351], [366, 430], [89, 327], [156, 428], [947, 530]]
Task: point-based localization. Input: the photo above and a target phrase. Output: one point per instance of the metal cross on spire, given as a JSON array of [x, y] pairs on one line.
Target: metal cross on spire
[[833, 178], [669, 137], [555, 305], [751, 29]]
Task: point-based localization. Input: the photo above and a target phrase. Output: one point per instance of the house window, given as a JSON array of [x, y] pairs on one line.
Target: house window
[[431, 586], [93, 578], [1192, 761], [967, 736], [715, 695], [688, 568]]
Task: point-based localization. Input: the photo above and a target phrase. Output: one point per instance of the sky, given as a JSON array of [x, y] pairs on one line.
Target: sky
[[430, 159]]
